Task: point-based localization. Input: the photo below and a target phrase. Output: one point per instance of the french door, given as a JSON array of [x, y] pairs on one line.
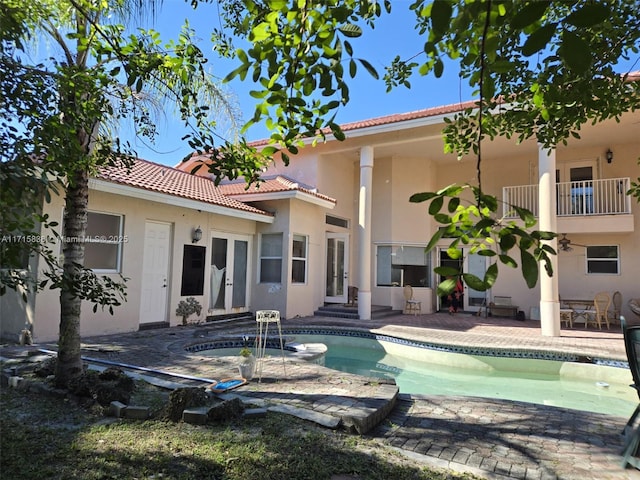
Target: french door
[[472, 263], [229, 275], [336, 274], [575, 187]]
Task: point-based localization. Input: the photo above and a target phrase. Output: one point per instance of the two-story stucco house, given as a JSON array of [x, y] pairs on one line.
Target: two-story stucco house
[[339, 215]]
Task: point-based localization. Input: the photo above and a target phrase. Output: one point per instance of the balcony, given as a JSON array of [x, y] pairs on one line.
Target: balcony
[[587, 206]]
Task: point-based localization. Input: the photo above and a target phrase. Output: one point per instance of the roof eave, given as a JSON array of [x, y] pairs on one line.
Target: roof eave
[[285, 195], [167, 199]]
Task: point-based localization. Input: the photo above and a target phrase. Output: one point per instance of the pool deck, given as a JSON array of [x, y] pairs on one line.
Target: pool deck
[[489, 438]]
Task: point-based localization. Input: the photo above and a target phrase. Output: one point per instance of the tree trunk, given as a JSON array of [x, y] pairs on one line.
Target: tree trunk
[[69, 363]]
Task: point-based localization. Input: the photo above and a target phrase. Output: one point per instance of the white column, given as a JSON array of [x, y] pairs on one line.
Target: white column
[[364, 233], [549, 298]]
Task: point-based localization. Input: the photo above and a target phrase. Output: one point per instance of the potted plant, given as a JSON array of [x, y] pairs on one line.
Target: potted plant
[[247, 365], [188, 307]]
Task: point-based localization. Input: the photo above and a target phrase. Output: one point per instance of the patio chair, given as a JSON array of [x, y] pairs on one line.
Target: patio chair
[[616, 305], [601, 302], [410, 304], [631, 431]]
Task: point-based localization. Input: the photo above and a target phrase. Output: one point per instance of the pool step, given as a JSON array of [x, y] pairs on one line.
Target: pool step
[[351, 312]]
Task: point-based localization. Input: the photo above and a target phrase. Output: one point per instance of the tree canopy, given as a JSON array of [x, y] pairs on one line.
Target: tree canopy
[[58, 118], [539, 69]]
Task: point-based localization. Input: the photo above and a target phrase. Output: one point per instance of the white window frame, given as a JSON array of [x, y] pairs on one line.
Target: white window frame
[[305, 239], [107, 239], [394, 247], [598, 259], [270, 257]]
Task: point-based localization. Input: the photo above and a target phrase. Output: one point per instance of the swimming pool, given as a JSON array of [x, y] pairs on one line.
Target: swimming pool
[[570, 384]]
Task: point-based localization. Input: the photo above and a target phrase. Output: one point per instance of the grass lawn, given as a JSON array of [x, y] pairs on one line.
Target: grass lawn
[[44, 437]]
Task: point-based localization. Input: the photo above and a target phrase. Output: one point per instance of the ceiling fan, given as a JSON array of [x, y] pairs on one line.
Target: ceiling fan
[[564, 243]]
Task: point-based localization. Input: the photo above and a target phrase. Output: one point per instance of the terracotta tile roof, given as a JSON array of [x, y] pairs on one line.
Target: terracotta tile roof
[[403, 117], [277, 183], [396, 118], [418, 114], [171, 181]]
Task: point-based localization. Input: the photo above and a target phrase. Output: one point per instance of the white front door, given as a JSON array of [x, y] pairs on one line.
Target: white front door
[[336, 274], [155, 272], [229, 275], [473, 300]]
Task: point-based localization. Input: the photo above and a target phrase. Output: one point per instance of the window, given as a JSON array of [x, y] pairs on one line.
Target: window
[[192, 270], [400, 265], [271, 258], [603, 259], [299, 259], [103, 242], [337, 221]]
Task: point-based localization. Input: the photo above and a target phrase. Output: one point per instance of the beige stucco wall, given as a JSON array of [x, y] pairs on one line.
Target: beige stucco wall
[[398, 171], [520, 168], [136, 212]]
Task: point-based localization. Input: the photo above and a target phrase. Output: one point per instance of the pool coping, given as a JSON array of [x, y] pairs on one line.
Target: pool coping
[[232, 340]]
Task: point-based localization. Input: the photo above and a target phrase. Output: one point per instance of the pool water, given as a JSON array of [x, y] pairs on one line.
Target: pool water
[[586, 387]]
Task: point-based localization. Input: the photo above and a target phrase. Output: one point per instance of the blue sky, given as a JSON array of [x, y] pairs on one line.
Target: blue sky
[[394, 35]]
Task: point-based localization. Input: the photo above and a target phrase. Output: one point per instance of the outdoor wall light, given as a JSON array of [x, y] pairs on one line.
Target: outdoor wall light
[[609, 155], [196, 235]]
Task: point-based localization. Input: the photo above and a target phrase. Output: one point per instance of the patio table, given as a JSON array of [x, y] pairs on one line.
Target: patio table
[[580, 307]]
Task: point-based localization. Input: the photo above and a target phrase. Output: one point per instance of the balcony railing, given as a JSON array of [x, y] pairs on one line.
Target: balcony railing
[[590, 197]]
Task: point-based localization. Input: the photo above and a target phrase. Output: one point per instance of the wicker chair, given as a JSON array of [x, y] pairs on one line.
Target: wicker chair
[[601, 302], [410, 304], [616, 307]]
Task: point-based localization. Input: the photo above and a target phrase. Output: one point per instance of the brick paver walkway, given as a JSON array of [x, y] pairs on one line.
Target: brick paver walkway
[[491, 438]]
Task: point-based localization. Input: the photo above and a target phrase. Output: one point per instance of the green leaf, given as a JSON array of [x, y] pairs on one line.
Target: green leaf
[[502, 66], [438, 68], [507, 260], [530, 13], [525, 215], [441, 11], [529, 268], [454, 253], [422, 197], [575, 52], [442, 218], [350, 30], [589, 15], [337, 131], [434, 239], [507, 242], [538, 40], [453, 204], [474, 282], [491, 275], [447, 271], [369, 68], [447, 286], [436, 205]]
